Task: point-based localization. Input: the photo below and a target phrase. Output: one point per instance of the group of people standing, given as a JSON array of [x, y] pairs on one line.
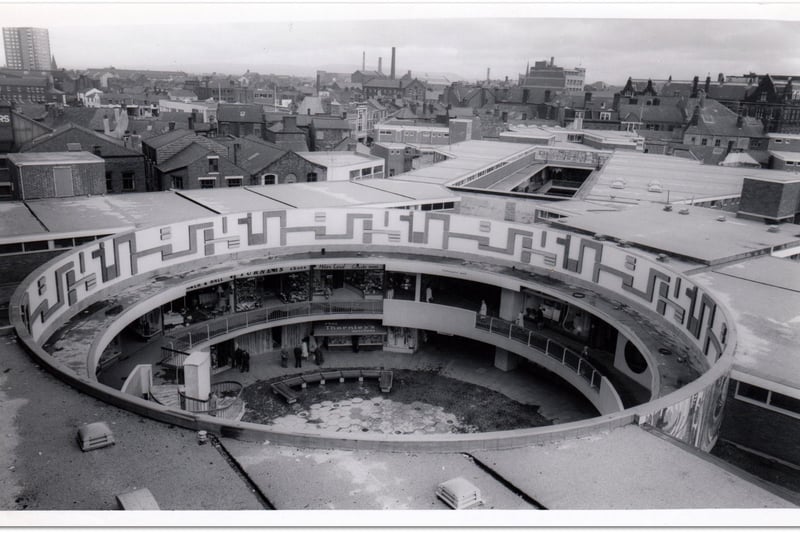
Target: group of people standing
[[241, 360], [307, 348]]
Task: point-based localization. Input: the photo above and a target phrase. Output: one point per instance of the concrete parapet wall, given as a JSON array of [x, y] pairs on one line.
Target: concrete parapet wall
[[57, 291]]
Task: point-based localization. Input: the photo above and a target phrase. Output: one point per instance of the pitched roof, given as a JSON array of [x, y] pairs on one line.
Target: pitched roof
[[667, 111], [72, 133], [311, 105], [166, 138], [718, 120], [185, 157], [255, 154]]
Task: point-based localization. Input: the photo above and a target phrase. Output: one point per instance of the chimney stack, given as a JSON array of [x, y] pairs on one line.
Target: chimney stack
[[363, 61], [739, 121], [393, 56], [380, 65], [290, 124], [552, 61], [237, 148], [488, 74]]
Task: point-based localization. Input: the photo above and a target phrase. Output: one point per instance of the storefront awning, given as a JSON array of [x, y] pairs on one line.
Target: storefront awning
[[339, 328]]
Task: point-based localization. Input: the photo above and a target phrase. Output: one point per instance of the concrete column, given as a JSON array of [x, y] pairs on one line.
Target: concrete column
[[505, 360], [418, 288], [197, 374], [511, 302]]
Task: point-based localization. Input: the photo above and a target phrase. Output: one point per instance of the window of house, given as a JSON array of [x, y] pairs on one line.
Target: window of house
[[717, 142], [291, 178], [391, 172], [704, 142], [270, 179], [128, 182], [213, 164], [604, 115], [177, 182], [321, 136], [109, 187], [234, 182], [311, 177], [207, 183]]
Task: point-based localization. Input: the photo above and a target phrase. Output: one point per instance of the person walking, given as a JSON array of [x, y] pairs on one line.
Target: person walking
[[298, 357], [482, 310], [521, 319], [429, 295], [304, 348], [284, 358], [212, 404]]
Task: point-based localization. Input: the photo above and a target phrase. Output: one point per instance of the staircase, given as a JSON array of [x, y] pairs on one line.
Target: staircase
[[166, 395]]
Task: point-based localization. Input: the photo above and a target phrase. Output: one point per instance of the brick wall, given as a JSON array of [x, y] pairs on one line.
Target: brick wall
[[118, 165], [37, 181], [330, 138], [291, 163], [199, 168], [770, 199], [761, 429]]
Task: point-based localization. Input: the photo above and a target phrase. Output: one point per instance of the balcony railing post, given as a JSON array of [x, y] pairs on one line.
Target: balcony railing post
[[247, 319], [530, 333], [227, 325], [510, 330], [208, 331], [190, 339], [491, 321], [580, 360], [547, 347], [563, 355]]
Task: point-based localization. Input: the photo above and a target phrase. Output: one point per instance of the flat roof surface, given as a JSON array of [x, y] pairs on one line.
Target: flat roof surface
[[53, 158], [787, 156], [413, 191], [328, 194], [79, 213], [627, 468], [231, 199], [466, 158], [16, 221], [113, 212], [763, 295], [338, 159], [697, 235], [680, 179], [151, 208]]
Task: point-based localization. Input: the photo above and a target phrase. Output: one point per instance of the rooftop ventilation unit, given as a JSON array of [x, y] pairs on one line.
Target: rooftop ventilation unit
[[668, 207], [773, 229], [459, 493], [654, 187], [95, 435], [662, 258], [684, 211], [721, 218], [618, 184]]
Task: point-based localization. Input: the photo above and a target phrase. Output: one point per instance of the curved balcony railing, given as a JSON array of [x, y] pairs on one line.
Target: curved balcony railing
[[549, 347], [185, 338], [228, 401]]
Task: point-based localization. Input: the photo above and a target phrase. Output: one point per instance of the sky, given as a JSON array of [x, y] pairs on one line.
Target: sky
[[463, 39]]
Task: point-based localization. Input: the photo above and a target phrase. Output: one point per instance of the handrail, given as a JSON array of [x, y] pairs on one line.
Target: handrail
[[226, 403], [549, 347], [205, 331]]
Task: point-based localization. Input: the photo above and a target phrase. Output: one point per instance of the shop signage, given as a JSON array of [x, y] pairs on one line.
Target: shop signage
[[333, 328], [247, 274], [348, 267]]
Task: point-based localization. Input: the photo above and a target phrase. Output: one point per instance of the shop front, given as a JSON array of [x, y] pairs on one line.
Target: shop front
[[351, 334]]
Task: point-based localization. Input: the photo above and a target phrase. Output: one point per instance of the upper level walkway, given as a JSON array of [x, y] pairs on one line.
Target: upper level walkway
[[680, 366]]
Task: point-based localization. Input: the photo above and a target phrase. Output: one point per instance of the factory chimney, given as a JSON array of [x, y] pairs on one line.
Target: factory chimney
[[488, 71], [391, 76], [363, 61], [380, 65]]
